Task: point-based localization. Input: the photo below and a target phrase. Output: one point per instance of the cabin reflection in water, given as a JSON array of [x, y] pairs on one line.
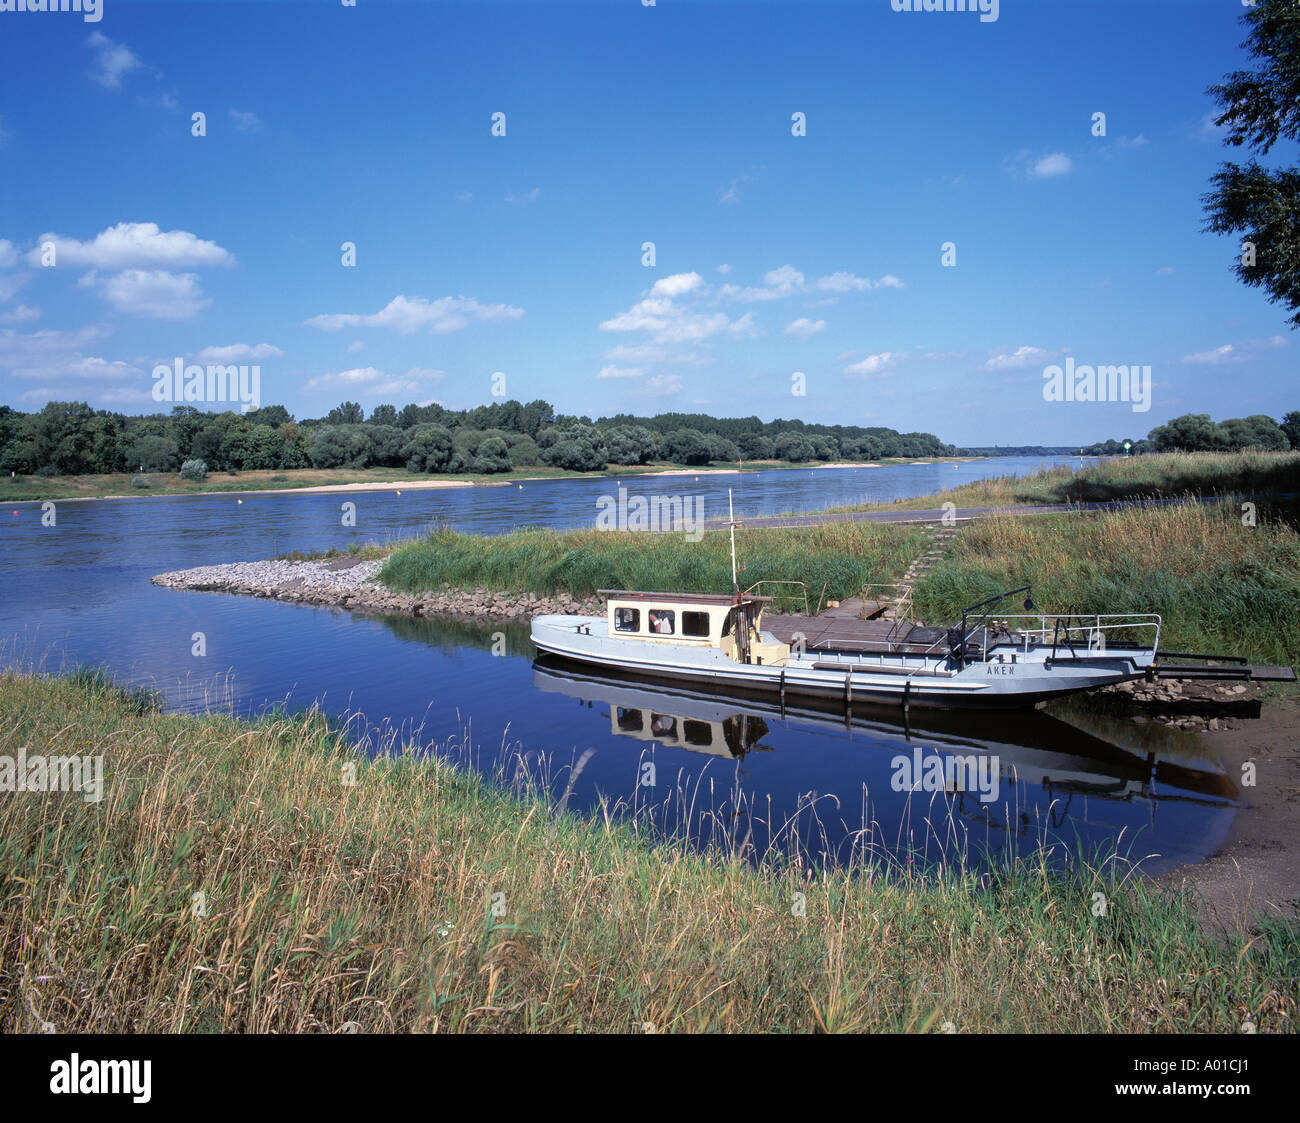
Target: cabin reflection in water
[[733, 735], [1075, 778]]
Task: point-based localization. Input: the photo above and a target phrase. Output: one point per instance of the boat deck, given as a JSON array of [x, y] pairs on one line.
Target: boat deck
[[832, 631]]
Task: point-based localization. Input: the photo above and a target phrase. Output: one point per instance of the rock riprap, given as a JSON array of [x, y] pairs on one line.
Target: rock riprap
[[352, 584]]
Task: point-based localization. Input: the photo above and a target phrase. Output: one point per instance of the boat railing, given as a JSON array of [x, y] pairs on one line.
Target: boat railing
[[779, 599], [1070, 631]]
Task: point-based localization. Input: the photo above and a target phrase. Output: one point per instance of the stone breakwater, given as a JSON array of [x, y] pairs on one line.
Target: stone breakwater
[[352, 584]]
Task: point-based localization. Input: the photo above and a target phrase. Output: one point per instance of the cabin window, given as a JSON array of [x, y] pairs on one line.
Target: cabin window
[[695, 623], [630, 721], [697, 733], [663, 621], [627, 619], [726, 624], [662, 725]]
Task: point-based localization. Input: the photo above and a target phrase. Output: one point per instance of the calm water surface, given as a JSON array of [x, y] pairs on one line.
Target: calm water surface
[[79, 592]]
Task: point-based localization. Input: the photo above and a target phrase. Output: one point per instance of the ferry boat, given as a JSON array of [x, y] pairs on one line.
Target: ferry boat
[[721, 641]]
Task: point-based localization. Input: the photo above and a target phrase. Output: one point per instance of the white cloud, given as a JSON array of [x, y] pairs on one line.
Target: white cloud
[[57, 362], [407, 314], [355, 346], [665, 384], [1015, 360], [112, 61], [850, 282], [1057, 163], [724, 269], [238, 352], [245, 121], [154, 293], [804, 327], [21, 315], [464, 196], [8, 254], [874, 364], [729, 194], [1138, 141], [374, 381], [1165, 271], [1237, 352], [667, 322], [612, 371], [523, 196], [677, 284], [133, 244]]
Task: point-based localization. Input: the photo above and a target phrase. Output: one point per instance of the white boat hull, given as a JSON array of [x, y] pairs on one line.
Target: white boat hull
[[1006, 677]]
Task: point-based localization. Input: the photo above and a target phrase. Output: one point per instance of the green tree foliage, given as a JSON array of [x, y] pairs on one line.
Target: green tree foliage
[[346, 413], [1258, 108], [428, 448], [339, 446]]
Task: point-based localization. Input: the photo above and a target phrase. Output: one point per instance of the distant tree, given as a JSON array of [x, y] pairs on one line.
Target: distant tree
[[152, 453], [383, 415], [523, 451], [1291, 427], [536, 415], [794, 448], [346, 413], [428, 448], [630, 444], [1192, 432], [1256, 431], [755, 446], [194, 470], [339, 446], [274, 416], [578, 447], [1259, 107], [386, 443], [492, 455]]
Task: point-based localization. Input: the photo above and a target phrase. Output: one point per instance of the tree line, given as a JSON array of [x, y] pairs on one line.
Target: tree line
[[1196, 432], [71, 438]]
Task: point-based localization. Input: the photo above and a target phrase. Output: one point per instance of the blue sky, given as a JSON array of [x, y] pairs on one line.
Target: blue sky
[[627, 124]]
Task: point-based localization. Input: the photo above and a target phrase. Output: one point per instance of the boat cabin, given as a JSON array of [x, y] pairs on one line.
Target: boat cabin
[[732, 623]]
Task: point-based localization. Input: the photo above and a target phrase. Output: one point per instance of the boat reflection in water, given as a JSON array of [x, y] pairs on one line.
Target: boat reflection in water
[[945, 787]]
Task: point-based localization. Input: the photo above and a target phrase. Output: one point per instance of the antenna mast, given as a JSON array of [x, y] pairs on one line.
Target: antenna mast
[[731, 517]]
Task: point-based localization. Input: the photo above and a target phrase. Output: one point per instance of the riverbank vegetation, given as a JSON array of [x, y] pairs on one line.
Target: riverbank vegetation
[[833, 561], [1155, 476], [232, 881], [71, 439], [1219, 583]]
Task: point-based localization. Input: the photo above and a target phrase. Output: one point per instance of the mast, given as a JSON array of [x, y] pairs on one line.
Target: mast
[[731, 518]]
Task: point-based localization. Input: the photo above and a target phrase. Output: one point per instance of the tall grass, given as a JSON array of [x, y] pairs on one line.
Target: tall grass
[[1220, 586], [328, 907], [1153, 476], [839, 558]]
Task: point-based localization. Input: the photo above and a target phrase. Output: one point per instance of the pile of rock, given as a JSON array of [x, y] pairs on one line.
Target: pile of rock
[[1188, 705], [352, 584]]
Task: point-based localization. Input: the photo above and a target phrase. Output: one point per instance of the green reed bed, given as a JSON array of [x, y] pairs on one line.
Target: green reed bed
[[372, 903], [839, 559], [1153, 476], [1219, 585]]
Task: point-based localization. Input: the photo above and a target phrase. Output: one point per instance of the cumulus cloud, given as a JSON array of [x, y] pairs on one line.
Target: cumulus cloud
[[10, 283], [57, 362], [23, 314], [153, 293], [612, 371], [1016, 359], [851, 282], [1054, 164], [664, 384], [788, 281], [407, 314], [355, 346], [874, 364], [676, 285], [133, 244], [803, 327], [8, 254], [113, 61], [374, 381], [1242, 352], [238, 352], [523, 196]]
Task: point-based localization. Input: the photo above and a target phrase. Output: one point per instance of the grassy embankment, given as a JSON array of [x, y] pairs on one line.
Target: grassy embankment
[[834, 561], [1154, 476], [371, 904]]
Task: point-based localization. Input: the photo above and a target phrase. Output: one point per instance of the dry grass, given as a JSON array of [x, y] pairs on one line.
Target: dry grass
[[371, 904]]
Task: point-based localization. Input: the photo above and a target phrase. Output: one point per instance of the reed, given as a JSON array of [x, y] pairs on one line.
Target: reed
[[837, 558], [329, 907], [1153, 476], [1220, 585]]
